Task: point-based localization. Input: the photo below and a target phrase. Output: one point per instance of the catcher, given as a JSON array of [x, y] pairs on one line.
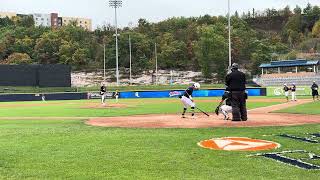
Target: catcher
[[224, 106]]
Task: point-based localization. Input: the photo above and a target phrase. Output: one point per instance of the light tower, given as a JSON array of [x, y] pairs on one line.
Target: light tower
[[229, 29], [116, 4]]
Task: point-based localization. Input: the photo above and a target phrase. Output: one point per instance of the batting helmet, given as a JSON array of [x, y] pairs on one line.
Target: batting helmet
[[235, 66], [196, 85]]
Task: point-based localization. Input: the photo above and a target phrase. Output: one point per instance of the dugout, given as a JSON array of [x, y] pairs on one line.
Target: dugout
[[51, 75]]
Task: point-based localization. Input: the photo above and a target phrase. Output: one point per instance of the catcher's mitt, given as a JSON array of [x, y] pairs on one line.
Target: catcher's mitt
[[217, 110]]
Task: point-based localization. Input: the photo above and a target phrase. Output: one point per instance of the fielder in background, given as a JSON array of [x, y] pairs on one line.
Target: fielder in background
[[315, 92], [116, 95], [236, 85], [187, 101], [103, 91], [293, 92], [286, 91]]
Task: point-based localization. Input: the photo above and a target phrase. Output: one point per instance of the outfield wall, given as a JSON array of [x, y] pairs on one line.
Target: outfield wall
[[126, 94], [38, 97], [278, 91], [196, 93]]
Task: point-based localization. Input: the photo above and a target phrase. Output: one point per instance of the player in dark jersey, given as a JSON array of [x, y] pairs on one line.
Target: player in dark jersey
[[293, 92], [315, 92], [103, 91], [116, 95], [186, 99], [286, 91]]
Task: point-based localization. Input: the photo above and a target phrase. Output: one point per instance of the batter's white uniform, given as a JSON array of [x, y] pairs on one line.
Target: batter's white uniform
[[187, 102]]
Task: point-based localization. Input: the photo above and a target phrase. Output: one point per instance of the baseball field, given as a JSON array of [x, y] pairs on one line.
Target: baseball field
[[147, 139]]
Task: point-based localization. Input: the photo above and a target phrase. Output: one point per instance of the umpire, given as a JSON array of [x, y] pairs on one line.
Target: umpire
[[236, 85]]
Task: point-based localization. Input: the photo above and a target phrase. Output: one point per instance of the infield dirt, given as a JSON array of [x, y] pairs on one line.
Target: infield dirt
[[257, 117]]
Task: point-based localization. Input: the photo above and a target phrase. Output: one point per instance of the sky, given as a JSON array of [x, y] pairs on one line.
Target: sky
[[151, 10]]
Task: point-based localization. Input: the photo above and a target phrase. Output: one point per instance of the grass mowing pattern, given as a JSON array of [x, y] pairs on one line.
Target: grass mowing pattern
[[45, 149], [135, 106]]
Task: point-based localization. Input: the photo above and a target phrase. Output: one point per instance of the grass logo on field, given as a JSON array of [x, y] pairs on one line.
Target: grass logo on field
[[238, 144]]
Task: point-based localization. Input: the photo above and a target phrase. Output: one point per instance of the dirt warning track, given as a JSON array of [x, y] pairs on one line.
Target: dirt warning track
[[257, 117]]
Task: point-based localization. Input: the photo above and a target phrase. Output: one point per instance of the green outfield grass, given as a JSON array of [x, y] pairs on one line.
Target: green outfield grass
[[310, 108], [80, 108], [70, 149]]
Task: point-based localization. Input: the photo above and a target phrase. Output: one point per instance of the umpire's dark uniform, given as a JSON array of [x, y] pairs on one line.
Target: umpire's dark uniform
[[236, 84]]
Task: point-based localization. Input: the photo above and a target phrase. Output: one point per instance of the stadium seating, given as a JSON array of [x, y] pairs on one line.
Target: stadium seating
[[302, 78]]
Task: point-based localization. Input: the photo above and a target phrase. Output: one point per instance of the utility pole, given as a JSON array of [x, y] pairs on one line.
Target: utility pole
[[130, 59], [156, 57]]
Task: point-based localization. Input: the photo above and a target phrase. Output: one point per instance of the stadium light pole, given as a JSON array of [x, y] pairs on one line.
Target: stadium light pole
[[229, 28], [116, 4]]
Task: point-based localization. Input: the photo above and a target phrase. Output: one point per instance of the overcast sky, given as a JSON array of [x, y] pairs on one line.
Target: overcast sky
[[152, 10]]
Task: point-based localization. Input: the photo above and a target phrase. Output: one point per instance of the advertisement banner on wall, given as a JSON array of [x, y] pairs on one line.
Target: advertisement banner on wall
[[177, 93], [96, 95], [278, 91]]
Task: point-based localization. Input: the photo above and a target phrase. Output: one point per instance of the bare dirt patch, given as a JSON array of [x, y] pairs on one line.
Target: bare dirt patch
[[257, 117]]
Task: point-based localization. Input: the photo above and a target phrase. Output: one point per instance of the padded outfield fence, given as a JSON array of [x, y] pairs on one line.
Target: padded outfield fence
[[124, 94]]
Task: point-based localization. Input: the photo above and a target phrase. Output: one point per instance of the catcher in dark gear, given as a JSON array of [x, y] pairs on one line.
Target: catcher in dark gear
[[225, 105]]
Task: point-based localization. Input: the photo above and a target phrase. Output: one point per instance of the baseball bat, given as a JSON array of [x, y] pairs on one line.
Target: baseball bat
[[203, 112]]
